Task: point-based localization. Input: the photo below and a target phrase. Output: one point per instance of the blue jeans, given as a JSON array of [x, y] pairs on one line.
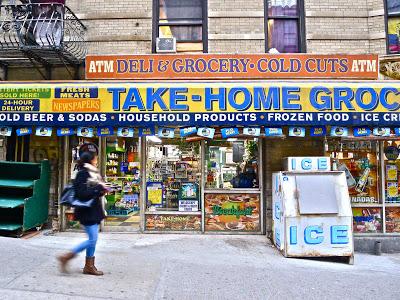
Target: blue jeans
[[90, 244]]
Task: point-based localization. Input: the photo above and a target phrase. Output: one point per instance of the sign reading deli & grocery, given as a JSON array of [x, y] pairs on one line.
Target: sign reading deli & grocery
[[201, 103], [232, 66]]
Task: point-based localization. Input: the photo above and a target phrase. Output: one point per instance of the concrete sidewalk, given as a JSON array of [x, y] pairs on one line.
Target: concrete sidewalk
[[152, 266]]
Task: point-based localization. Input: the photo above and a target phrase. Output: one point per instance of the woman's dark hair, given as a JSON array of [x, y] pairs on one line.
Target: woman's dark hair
[[85, 158]]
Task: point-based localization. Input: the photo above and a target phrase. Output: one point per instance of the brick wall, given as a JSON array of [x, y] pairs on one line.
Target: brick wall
[[236, 26], [341, 26]]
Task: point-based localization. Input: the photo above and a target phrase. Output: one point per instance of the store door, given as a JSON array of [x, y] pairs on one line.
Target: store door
[[122, 172]]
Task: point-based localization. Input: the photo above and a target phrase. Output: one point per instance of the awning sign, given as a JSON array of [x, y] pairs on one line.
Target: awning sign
[[146, 131], [24, 131], [297, 131], [166, 133], [105, 131], [5, 131], [361, 131], [85, 132], [273, 131], [125, 132], [203, 104], [339, 131], [188, 131], [44, 131], [229, 132], [231, 66], [381, 131], [206, 132], [318, 131], [65, 131], [252, 131]]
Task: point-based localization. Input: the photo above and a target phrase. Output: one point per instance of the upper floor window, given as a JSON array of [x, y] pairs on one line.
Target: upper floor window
[[185, 20], [284, 25], [393, 29]]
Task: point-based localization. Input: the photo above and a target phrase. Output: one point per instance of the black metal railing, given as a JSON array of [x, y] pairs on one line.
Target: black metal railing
[[42, 29]]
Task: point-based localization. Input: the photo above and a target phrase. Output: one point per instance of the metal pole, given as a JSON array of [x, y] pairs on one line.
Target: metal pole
[[202, 183], [64, 180], [261, 183], [381, 162], [143, 159], [102, 165]]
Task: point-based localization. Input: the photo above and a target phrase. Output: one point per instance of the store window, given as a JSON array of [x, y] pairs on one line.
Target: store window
[[359, 160], [122, 173], [232, 196], [186, 20], [372, 171], [391, 186], [173, 191], [284, 25], [232, 164], [393, 26]]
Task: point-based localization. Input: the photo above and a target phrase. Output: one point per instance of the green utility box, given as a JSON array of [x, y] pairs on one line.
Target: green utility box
[[24, 195]]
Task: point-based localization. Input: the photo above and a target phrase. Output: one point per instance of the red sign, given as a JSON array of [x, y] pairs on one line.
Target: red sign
[[232, 66]]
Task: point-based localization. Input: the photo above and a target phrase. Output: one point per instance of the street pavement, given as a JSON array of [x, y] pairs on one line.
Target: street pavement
[[153, 266]]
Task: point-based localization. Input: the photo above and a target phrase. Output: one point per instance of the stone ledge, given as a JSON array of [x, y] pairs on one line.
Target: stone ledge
[[114, 15], [236, 14], [336, 14], [320, 36], [390, 244], [376, 13], [236, 36], [119, 38]]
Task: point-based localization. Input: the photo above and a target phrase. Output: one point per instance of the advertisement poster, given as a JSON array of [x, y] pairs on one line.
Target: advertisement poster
[[232, 212], [393, 219], [392, 190], [367, 220], [391, 172], [155, 193], [173, 222]]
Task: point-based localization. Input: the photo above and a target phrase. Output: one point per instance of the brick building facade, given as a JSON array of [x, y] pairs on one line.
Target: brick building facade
[[235, 26]]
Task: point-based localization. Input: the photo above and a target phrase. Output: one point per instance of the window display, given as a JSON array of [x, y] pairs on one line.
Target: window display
[[232, 212], [232, 164], [358, 159], [122, 168], [393, 219], [367, 220], [173, 176], [392, 174]]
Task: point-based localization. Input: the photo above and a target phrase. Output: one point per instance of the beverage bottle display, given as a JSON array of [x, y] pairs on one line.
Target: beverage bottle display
[[349, 178], [363, 181]]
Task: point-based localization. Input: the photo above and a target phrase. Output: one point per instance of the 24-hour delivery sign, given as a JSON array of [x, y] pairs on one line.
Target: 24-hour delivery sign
[[202, 103], [232, 66]]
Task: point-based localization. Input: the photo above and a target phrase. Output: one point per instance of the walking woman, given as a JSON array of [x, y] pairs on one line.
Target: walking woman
[[89, 186]]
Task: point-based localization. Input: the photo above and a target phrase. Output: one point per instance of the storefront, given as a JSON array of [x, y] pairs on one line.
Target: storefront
[[192, 156]]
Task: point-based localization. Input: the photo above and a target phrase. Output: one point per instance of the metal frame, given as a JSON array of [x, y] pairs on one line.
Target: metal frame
[[175, 22], [300, 22], [42, 35]]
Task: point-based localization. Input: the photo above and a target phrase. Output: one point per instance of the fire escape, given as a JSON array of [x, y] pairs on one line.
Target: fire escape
[[41, 35]]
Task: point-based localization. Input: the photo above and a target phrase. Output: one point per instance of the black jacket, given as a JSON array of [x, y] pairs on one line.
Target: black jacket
[[93, 214]]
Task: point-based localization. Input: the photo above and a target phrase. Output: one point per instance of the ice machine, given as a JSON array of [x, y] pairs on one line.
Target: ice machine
[[312, 214]]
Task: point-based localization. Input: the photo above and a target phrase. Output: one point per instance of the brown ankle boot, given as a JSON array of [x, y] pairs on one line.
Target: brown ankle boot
[[90, 269], [63, 259]]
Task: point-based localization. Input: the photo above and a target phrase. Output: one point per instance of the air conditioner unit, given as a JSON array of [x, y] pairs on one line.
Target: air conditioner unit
[[166, 45]]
